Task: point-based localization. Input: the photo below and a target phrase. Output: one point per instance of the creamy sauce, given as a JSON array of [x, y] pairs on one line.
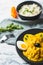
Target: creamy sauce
[[34, 51], [29, 10]]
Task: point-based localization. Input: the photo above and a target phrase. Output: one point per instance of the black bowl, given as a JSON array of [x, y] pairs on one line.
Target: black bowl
[[31, 31], [27, 3]]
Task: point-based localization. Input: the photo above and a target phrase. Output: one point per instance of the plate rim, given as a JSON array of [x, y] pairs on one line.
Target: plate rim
[[29, 61]]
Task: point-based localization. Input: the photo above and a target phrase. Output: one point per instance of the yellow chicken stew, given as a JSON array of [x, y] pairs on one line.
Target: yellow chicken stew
[[34, 44]]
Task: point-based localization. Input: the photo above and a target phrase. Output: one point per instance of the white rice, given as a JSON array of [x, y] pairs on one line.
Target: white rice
[[30, 10]]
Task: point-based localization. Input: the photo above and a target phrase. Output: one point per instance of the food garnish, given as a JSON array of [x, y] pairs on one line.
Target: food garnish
[[11, 27], [13, 12], [21, 45]]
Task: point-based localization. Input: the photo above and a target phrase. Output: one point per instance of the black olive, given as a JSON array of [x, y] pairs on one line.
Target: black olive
[[26, 35], [37, 45], [25, 38], [41, 35]]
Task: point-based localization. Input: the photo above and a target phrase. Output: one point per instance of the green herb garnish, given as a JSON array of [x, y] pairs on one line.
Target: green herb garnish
[[10, 27]]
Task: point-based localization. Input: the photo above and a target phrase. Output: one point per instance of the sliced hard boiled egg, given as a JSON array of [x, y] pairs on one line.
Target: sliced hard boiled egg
[[21, 45]]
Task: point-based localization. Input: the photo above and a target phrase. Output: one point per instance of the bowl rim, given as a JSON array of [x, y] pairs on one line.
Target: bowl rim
[[29, 61], [29, 1]]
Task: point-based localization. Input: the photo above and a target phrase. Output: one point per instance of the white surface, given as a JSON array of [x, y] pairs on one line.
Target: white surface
[[8, 54], [5, 7]]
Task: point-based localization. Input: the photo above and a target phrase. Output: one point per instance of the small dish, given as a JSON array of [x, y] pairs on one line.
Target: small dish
[[28, 3]]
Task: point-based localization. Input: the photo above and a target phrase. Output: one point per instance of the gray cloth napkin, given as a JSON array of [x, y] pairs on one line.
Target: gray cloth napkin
[[8, 53]]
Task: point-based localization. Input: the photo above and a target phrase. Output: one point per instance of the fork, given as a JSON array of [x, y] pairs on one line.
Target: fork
[[6, 37]]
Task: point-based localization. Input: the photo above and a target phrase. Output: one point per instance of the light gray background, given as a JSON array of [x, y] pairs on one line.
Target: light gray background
[[8, 53]]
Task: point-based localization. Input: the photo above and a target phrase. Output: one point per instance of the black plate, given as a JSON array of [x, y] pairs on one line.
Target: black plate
[[31, 31]]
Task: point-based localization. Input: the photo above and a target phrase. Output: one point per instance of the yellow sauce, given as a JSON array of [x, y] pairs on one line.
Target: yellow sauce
[[34, 53]]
